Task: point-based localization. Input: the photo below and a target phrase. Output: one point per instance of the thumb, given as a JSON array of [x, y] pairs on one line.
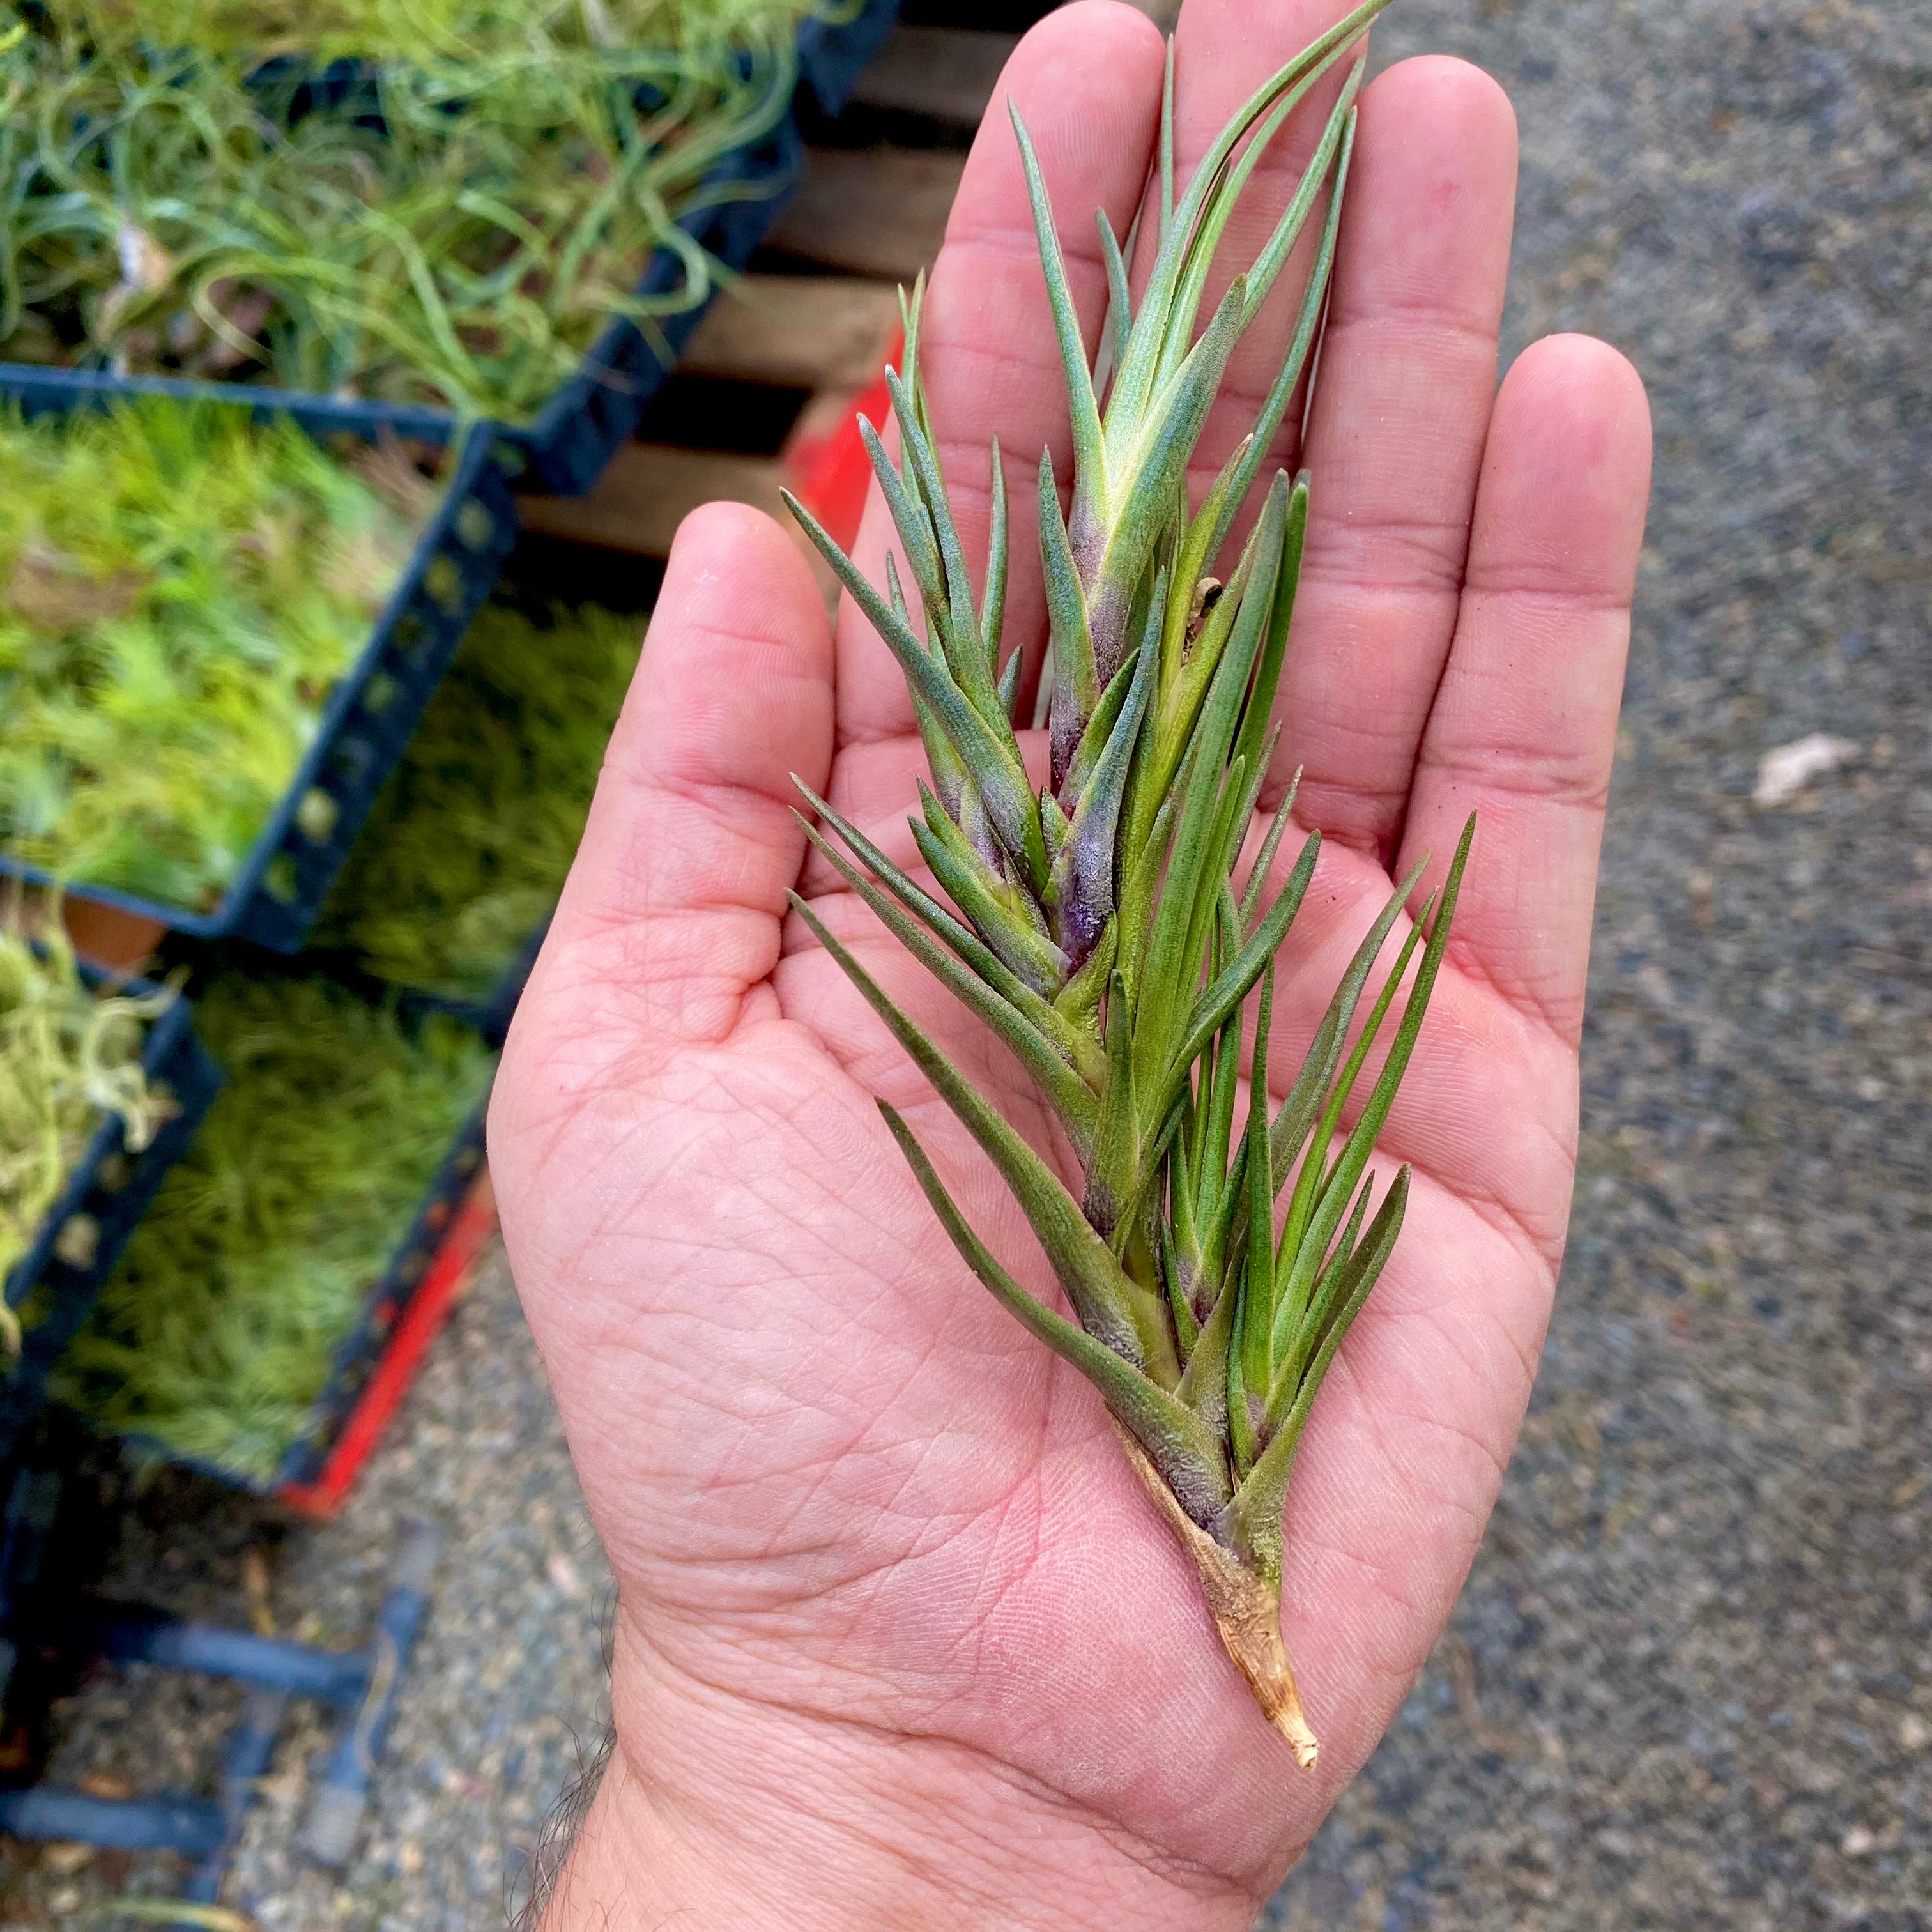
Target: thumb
[[674, 909]]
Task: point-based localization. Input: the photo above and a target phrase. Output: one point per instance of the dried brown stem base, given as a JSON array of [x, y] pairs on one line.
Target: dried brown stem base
[[1246, 1610]]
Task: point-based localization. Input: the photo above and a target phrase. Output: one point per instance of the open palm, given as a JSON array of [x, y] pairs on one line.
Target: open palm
[[901, 1639]]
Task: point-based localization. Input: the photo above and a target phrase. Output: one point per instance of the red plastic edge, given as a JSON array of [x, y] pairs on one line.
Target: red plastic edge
[[830, 474], [474, 1222]]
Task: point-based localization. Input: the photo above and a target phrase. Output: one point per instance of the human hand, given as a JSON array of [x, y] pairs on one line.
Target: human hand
[[900, 1639]]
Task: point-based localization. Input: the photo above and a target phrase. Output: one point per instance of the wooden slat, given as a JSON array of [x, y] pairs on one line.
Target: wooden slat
[[943, 74], [807, 331], [648, 491], [650, 488], [878, 211]]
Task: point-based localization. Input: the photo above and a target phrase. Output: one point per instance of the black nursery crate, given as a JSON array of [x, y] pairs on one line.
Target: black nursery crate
[[567, 445], [570, 442], [832, 54], [362, 1352], [87, 1228], [373, 710]]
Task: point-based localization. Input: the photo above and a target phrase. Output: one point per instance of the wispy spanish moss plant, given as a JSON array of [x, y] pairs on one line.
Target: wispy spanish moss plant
[[469, 845], [418, 30], [180, 590], [217, 1332], [458, 230], [70, 1057]]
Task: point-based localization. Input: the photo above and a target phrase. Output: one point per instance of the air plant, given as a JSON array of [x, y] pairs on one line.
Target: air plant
[[218, 1330], [456, 225], [417, 31], [180, 589], [69, 1058], [1104, 927], [469, 845]]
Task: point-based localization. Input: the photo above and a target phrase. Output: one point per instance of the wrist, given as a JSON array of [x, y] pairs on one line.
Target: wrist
[[720, 1814]]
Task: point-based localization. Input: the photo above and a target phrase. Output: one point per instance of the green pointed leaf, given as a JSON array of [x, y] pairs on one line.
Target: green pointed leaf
[[1079, 1050], [1120, 297], [1304, 1241], [1339, 1184], [1009, 699], [966, 651], [1314, 306], [992, 761], [1076, 681], [1157, 464], [1115, 1311], [910, 521], [1265, 859], [1242, 1448], [1258, 1503], [1116, 1147], [1192, 568], [1305, 1098], [1253, 1353], [993, 610], [1160, 318], [1273, 258], [1237, 979], [997, 917], [1071, 1099], [1167, 142], [1284, 523], [1089, 454], [1184, 1451]]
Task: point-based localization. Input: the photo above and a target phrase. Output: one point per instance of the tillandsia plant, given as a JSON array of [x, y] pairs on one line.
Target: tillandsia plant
[[180, 589], [219, 1328], [69, 1058], [451, 215], [466, 851], [406, 30], [1103, 927]]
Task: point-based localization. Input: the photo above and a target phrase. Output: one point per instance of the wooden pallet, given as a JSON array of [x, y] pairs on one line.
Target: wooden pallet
[[818, 314]]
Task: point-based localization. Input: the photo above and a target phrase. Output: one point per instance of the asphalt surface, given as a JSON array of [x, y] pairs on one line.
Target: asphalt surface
[[1687, 1685]]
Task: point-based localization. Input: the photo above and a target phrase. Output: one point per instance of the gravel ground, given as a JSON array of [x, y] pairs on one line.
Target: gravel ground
[[1685, 1688], [504, 1696]]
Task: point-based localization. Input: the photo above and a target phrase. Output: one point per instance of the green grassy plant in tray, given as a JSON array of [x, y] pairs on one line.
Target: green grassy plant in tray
[[214, 1339], [454, 226], [182, 587], [70, 1055], [469, 845]]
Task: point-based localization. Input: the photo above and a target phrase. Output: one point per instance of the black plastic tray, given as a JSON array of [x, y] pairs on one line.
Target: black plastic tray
[[567, 445], [361, 1351], [105, 1196], [373, 711]]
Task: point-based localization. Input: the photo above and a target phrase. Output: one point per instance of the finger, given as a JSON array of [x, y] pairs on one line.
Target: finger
[[673, 911], [1523, 729], [1086, 80], [1224, 49], [1402, 405]]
